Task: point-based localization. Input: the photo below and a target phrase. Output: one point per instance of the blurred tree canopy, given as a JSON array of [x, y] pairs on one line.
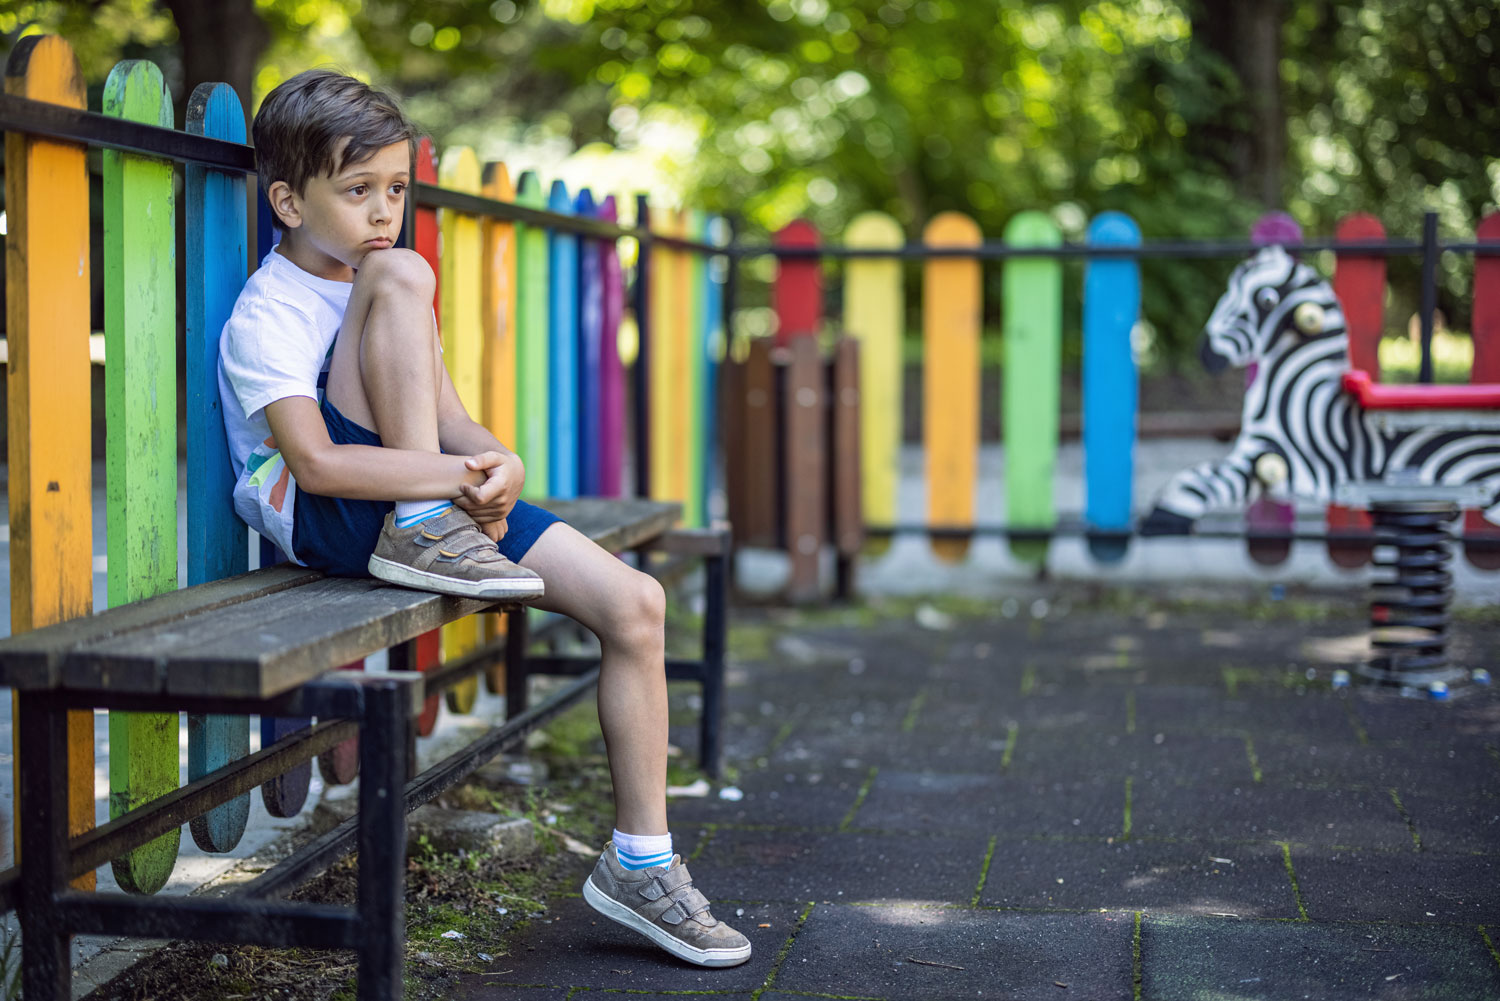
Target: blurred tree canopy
[[1193, 116]]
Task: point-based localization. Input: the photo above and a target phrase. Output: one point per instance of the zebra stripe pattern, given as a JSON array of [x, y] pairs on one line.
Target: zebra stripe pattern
[[1282, 317]]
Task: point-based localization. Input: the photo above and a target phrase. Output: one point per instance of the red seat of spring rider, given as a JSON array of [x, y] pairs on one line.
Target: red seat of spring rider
[[1376, 396]]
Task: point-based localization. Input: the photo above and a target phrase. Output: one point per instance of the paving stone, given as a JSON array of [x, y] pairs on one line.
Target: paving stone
[[1195, 958], [1399, 886], [989, 804], [869, 952], [472, 988], [1173, 709], [573, 946], [1475, 716], [1065, 710], [777, 798], [1466, 769], [1448, 823], [953, 750], [1332, 817], [1188, 877], [848, 868], [1152, 757]]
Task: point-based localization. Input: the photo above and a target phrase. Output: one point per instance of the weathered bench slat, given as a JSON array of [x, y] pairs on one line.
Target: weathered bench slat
[[213, 640], [33, 660]]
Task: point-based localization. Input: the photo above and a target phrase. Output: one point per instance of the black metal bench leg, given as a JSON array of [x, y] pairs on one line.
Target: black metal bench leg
[[46, 970], [715, 624], [516, 641], [382, 841]]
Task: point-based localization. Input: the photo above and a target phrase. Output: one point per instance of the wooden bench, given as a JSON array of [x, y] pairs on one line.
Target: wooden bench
[[248, 644], [236, 643]]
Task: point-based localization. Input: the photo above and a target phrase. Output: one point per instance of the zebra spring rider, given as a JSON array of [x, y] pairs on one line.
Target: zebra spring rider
[[1302, 436]]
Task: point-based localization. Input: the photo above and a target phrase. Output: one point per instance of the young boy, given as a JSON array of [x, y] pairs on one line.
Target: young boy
[[354, 454]]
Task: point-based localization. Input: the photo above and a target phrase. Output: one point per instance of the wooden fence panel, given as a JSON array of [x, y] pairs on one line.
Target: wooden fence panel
[[47, 379], [1111, 307], [1359, 284], [1484, 553], [461, 265], [140, 307], [951, 312], [562, 411], [591, 352], [612, 377], [1032, 341], [215, 268], [806, 498], [797, 295], [875, 313], [532, 374]]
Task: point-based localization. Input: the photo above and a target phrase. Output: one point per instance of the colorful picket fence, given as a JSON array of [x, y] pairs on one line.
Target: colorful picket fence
[[529, 316], [1031, 310]]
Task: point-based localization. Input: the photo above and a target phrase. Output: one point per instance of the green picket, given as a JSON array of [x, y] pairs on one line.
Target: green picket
[[140, 327], [1032, 340], [532, 342]]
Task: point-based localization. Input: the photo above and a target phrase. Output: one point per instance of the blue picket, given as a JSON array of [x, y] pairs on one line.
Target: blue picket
[[715, 340], [591, 357], [215, 269], [563, 360], [284, 795], [1111, 306]]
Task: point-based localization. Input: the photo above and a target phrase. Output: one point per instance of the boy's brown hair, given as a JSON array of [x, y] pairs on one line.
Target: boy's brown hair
[[300, 123]]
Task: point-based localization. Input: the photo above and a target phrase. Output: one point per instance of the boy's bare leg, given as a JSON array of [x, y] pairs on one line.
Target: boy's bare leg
[[384, 374], [626, 609]]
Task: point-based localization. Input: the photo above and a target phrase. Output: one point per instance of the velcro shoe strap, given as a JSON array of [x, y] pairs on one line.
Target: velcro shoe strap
[[664, 909], [674, 878]]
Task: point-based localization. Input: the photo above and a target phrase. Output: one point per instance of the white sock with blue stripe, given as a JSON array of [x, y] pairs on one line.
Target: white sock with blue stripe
[[642, 851], [409, 513]]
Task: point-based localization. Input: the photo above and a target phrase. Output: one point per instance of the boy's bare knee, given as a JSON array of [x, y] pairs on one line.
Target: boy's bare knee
[[397, 270], [639, 612]]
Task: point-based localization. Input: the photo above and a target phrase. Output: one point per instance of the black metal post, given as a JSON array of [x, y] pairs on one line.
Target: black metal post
[[403, 657], [641, 372], [382, 841], [516, 640], [1430, 253], [46, 972], [715, 621]]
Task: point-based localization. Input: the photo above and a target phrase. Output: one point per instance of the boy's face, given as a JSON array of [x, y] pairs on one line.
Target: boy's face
[[339, 219]]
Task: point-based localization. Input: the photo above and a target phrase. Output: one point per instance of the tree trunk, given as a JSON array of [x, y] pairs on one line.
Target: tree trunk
[[1246, 34], [221, 40]]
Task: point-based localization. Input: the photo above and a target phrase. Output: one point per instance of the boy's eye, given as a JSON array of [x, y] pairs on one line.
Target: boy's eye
[[398, 189], [358, 189]]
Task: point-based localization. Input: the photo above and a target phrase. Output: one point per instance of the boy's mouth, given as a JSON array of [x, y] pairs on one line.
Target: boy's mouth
[[378, 243]]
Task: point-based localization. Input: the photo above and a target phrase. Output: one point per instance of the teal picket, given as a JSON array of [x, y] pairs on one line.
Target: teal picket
[[216, 540], [563, 355]]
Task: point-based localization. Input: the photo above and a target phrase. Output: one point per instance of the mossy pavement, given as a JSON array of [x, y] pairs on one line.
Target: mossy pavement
[[1087, 794]]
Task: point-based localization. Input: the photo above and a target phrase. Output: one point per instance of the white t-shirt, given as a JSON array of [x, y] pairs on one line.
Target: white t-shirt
[[277, 343]]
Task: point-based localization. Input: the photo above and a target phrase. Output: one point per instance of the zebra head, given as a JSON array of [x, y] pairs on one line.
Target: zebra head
[[1273, 303]]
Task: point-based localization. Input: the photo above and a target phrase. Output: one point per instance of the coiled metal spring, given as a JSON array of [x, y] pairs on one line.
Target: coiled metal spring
[[1409, 612]]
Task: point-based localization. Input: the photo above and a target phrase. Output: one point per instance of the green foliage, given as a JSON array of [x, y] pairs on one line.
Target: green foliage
[[826, 108]]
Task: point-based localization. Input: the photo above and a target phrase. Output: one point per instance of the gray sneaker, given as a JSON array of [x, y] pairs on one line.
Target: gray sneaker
[[450, 554], [662, 905]]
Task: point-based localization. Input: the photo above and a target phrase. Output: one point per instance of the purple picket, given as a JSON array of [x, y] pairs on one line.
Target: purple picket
[[590, 353], [612, 370], [1269, 521]]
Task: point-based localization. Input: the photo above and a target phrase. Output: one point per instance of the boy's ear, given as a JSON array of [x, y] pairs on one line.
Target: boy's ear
[[285, 203]]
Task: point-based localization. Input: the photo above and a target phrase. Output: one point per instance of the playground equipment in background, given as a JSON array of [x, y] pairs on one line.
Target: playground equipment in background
[[873, 311], [1302, 434]]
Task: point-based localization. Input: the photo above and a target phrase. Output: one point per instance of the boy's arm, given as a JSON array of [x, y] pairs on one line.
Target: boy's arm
[[366, 472], [461, 434]]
